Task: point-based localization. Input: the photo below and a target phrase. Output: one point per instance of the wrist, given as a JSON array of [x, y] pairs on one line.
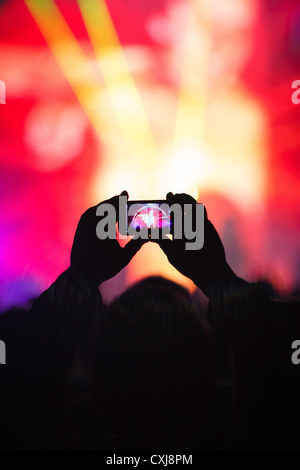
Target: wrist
[[215, 279]]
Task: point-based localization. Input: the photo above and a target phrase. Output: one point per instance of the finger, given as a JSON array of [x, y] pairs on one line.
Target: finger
[[125, 193], [91, 211], [115, 202], [183, 198], [167, 246], [131, 248]]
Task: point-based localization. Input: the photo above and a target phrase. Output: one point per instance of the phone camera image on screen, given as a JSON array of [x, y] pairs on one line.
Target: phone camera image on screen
[[148, 215]]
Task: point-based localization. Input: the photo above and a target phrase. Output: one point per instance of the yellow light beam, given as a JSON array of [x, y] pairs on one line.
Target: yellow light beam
[[190, 120], [75, 65], [120, 85]]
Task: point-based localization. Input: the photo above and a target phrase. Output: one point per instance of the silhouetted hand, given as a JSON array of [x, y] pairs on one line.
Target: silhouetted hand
[[99, 260], [205, 266]]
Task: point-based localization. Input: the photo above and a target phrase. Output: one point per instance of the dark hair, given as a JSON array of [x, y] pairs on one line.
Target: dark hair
[[151, 367]]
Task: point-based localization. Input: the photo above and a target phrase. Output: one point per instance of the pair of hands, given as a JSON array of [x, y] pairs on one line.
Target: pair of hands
[[99, 260]]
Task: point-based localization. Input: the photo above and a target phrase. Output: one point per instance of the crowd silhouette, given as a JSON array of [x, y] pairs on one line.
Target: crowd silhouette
[[151, 370]]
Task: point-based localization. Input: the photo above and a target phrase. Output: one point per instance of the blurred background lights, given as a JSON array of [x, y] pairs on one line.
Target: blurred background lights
[[150, 97], [54, 135]]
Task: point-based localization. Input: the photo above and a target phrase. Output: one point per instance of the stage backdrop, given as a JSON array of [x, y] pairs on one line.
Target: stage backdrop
[[148, 96]]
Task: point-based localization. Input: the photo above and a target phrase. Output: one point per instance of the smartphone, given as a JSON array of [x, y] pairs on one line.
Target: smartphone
[[149, 216]]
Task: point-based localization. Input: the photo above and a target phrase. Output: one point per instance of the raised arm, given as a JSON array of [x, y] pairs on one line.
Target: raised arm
[[41, 342]]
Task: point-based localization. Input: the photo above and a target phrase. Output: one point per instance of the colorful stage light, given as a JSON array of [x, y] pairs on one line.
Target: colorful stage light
[[170, 96]]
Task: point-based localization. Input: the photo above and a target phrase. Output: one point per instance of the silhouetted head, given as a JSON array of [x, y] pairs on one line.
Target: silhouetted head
[[151, 366]]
